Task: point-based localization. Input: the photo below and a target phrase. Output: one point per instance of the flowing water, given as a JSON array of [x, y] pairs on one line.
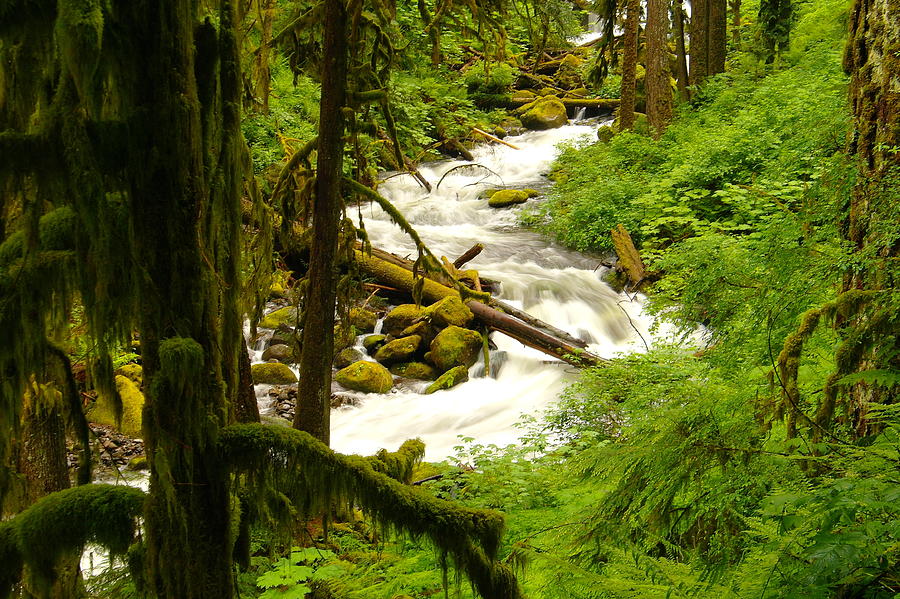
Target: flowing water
[[559, 286]]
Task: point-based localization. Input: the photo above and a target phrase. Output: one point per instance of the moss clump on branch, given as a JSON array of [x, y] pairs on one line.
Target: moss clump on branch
[[62, 523], [400, 464], [314, 477]]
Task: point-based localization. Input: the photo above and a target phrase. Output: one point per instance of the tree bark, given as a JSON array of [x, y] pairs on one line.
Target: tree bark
[[659, 91], [736, 24], [629, 64], [314, 390], [261, 62], [699, 49], [717, 36], [680, 51], [245, 409]]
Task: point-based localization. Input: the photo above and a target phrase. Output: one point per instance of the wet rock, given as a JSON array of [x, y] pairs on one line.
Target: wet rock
[[423, 329], [273, 373], [546, 113], [451, 311], [401, 317], [368, 377], [415, 370], [398, 350], [110, 449], [454, 346], [280, 353], [363, 320], [347, 357], [451, 378], [282, 316], [373, 342]]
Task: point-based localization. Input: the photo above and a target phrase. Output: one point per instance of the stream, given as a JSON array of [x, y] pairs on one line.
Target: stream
[[557, 285]]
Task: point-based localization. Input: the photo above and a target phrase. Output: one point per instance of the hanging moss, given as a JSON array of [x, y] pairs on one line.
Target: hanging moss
[[64, 522], [314, 477], [400, 464]]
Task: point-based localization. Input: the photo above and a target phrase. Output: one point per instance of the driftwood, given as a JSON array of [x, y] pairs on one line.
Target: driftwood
[[629, 258], [396, 276], [468, 255], [494, 138], [483, 284]]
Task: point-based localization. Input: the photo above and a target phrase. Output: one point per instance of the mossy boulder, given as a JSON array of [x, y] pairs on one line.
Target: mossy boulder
[[363, 320], [523, 94], [641, 124], [280, 352], [132, 372], [373, 342], [454, 346], [138, 463], [344, 336], [401, 317], [415, 370], [605, 134], [578, 92], [423, 329], [546, 91], [451, 378], [450, 311], [348, 356], [547, 113], [368, 377], [283, 316], [272, 373], [507, 197], [103, 411], [398, 350]]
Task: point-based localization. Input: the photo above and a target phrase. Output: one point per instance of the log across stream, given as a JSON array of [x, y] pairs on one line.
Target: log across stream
[[553, 284]]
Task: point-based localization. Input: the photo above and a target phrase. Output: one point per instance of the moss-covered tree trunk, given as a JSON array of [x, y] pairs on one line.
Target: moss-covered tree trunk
[[629, 64], [775, 27], [699, 49], [314, 390], [262, 76], [736, 24], [872, 58], [681, 64], [659, 91]]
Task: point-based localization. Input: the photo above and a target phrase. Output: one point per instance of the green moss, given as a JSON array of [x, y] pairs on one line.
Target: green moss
[[138, 463], [368, 377], [415, 370], [454, 346], [104, 410], [450, 311], [273, 373], [400, 464], [132, 372], [348, 356], [363, 320], [272, 320], [398, 350], [507, 197], [373, 342], [546, 113], [65, 521], [451, 378], [401, 317]]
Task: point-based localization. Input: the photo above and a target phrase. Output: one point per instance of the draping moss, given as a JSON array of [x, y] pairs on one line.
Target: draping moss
[[314, 478], [400, 464], [64, 522]]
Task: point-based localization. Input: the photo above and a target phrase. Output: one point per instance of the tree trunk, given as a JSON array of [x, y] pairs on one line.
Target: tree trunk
[[314, 390], [699, 50], [629, 64], [717, 36], [736, 24], [261, 62], [245, 407], [680, 51], [872, 61], [659, 91], [775, 27]]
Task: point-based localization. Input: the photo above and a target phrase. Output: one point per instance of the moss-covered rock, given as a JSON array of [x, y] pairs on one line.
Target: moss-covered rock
[[368, 377], [348, 356], [132, 372], [415, 370], [281, 352], [605, 134], [399, 350], [454, 346], [578, 92], [423, 329], [523, 94], [450, 311], [103, 411], [451, 378], [401, 317], [282, 316], [546, 91], [507, 197], [138, 463], [363, 320], [373, 342], [344, 336], [547, 113], [272, 373]]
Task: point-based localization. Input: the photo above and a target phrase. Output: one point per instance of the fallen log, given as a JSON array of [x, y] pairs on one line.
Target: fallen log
[[602, 103], [494, 138], [537, 323], [489, 285], [396, 276]]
